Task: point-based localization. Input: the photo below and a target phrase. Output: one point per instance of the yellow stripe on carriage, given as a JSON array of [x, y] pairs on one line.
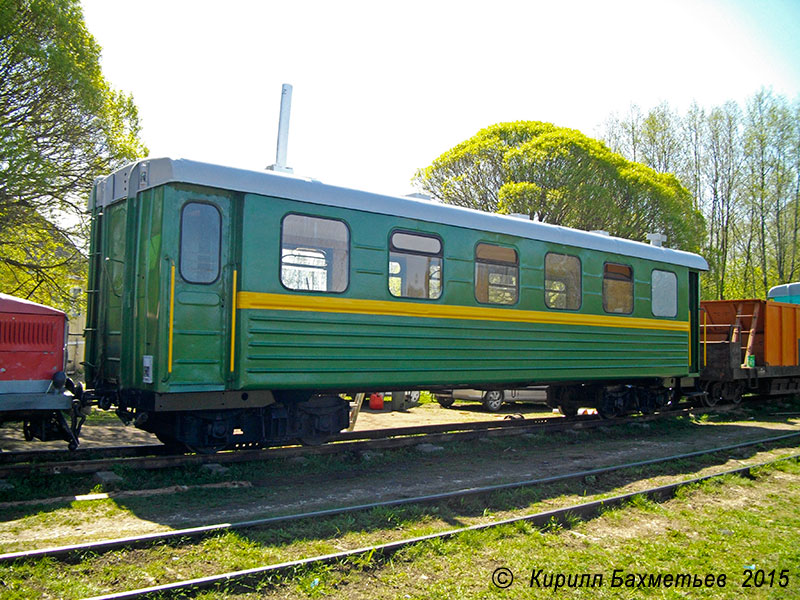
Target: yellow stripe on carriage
[[327, 304]]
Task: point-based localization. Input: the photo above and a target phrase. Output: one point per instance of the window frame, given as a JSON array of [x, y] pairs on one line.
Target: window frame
[[580, 281], [281, 248], [400, 250], [498, 263], [181, 241], [652, 306], [633, 288]]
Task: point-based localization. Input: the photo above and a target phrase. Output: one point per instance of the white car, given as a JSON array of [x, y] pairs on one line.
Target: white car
[[493, 400]]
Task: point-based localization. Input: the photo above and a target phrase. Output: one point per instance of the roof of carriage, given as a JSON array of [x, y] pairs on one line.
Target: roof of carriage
[[150, 173], [14, 305], [787, 289]]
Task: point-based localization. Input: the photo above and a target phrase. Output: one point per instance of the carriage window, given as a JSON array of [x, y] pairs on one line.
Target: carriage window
[[201, 233], [618, 288], [315, 254], [415, 266], [562, 281], [664, 293], [496, 274]]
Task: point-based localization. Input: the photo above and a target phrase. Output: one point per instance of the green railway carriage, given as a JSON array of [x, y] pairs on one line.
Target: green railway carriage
[[232, 307]]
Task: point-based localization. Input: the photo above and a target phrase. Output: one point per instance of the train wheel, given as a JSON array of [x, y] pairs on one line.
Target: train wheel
[[611, 405], [647, 402], [733, 392], [607, 411], [493, 400], [714, 394]]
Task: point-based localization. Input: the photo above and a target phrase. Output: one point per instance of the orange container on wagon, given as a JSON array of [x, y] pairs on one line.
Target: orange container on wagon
[[767, 333], [782, 334]]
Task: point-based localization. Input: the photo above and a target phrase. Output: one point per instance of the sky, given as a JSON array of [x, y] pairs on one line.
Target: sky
[[380, 89]]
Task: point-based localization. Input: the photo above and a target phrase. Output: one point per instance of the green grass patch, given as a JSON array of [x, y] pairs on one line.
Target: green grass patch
[[705, 525]]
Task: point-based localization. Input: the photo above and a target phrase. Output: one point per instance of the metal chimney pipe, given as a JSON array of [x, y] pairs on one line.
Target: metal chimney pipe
[[283, 130]]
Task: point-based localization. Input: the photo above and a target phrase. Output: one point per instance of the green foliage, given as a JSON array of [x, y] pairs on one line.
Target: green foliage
[[472, 173], [558, 175], [742, 166], [61, 124]]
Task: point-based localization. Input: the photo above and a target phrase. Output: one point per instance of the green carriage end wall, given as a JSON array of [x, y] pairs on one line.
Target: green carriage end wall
[[127, 289], [138, 246], [364, 337]]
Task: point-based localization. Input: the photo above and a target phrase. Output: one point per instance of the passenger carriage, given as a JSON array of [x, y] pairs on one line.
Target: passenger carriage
[[233, 307]]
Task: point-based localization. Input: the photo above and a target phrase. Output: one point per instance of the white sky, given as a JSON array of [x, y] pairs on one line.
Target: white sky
[[383, 88]]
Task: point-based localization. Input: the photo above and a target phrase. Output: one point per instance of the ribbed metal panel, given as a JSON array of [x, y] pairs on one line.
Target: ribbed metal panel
[[308, 349], [27, 333]]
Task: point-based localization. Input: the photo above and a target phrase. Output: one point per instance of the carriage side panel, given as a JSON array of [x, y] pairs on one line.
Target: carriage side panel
[[365, 336]]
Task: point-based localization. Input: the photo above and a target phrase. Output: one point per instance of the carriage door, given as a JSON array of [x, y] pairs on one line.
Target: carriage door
[[694, 320], [203, 280]]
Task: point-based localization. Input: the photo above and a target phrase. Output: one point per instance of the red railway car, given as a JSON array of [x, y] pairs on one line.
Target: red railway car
[[33, 386]]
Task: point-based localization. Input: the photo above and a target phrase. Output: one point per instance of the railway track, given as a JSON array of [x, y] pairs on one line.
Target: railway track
[[583, 510], [41, 456], [156, 456]]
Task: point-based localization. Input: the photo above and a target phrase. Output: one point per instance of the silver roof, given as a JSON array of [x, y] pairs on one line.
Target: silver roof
[[149, 173], [787, 289]]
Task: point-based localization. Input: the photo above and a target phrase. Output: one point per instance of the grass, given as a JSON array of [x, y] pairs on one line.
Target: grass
[[653, 537], [718, 528], [102, 417]]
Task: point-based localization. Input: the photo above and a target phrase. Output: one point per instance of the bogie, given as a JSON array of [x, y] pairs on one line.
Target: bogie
[[611, 401], [312, 421]]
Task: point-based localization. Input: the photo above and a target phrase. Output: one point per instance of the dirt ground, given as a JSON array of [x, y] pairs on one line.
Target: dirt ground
[[430, 413], [381, 475]]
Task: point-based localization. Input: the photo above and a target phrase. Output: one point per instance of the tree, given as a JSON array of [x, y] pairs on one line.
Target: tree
[[693, 133], [624, 136], [794, 267], [472, 173], [769, 134], [61, 125], [743, 170], [560, 176], [661, 145], [722, 168]]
